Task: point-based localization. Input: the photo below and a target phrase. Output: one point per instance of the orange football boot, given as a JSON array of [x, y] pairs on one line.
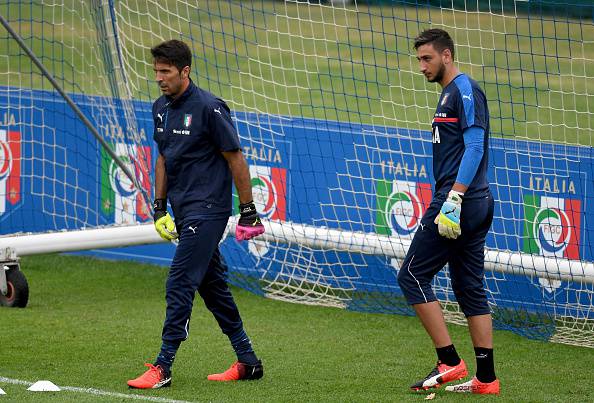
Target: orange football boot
[[441, 374], [239, 372], [154, 378], [477, 387]]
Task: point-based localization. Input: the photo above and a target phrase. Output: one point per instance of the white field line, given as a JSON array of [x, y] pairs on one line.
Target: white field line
[[97, 392]]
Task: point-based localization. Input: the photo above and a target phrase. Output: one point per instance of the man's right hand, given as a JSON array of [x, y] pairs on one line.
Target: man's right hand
[[163, 222]]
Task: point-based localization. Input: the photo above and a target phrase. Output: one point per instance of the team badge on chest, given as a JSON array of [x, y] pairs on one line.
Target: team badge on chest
[[187, 120]]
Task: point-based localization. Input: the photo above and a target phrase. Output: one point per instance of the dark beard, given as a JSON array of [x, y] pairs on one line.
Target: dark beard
[[439, 76]]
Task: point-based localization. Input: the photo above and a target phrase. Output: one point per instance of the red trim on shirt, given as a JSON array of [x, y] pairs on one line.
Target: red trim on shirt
[[453, 120]]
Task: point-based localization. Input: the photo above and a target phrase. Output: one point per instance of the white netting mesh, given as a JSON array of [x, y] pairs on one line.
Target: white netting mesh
[[333, 113]]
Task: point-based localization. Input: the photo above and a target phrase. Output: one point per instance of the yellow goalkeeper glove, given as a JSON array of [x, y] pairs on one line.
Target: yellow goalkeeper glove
[[448, 219], [163, 222]]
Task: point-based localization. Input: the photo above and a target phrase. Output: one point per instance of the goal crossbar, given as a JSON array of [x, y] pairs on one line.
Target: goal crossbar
[[307, 235]]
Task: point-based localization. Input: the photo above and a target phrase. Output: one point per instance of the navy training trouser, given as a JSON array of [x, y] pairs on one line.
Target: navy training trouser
[[199, 266], [429, 252]]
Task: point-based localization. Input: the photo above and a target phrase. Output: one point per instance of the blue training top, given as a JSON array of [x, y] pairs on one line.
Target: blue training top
[[462, 105], [191, 132]]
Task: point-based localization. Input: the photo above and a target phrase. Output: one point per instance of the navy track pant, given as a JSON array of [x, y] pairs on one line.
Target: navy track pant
[[199, 266], [429, 252]]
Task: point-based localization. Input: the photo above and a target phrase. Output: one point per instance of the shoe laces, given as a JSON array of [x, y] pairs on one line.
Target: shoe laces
[[435, 370], [155, 371]]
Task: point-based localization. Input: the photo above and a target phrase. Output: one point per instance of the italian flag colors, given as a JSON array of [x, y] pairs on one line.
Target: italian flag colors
[[10, 168], [400, 206], [120, 200], [551, 226], [269, 188]]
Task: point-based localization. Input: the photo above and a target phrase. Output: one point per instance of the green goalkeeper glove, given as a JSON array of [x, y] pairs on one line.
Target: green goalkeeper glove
[[448, 219], [163, 222]]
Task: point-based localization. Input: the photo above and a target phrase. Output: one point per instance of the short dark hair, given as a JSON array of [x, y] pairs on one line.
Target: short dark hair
[[439, 38], [174, 52]]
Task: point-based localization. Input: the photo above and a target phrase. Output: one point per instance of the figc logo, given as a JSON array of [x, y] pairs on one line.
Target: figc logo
[[269, 188], [120, 199], [552, 226], [400, 206], [10, 168]]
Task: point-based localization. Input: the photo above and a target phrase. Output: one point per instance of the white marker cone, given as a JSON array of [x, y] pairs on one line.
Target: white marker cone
[[44, 386]]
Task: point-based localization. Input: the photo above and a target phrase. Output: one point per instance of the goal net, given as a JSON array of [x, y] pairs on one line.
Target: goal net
[[334, 120]]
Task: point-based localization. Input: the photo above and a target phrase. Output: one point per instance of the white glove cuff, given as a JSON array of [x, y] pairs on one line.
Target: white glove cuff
[[455, 196]]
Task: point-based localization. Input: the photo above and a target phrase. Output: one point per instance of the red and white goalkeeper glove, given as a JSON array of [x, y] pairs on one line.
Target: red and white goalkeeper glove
[[249, 224]]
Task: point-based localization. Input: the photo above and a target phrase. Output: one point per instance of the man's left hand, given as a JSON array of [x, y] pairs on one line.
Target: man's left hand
[[249, 224], [448, 219]]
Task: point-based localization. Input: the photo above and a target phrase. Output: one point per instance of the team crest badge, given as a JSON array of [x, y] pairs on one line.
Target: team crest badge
[[187, 120], [400, 206], [269, 187], [445, 98], [552, 226], [120, 200], [10, 169]]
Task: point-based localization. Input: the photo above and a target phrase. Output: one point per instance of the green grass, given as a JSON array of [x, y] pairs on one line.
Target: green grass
[[92, 323], [352, 65]]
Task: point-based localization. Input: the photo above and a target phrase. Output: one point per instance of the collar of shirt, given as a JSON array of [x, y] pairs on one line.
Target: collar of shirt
[[187, 93]]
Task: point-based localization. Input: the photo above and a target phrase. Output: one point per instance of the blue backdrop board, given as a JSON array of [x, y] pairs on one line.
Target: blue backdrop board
[[338, 175]]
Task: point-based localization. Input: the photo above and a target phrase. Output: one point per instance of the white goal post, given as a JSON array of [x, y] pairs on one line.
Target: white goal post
[[288, 233]]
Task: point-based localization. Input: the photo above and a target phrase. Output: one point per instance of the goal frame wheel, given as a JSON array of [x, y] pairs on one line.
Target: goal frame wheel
[[14, 288]]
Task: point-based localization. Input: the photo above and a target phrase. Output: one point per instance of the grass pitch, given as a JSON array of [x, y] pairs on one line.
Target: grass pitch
[[93, 323]]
